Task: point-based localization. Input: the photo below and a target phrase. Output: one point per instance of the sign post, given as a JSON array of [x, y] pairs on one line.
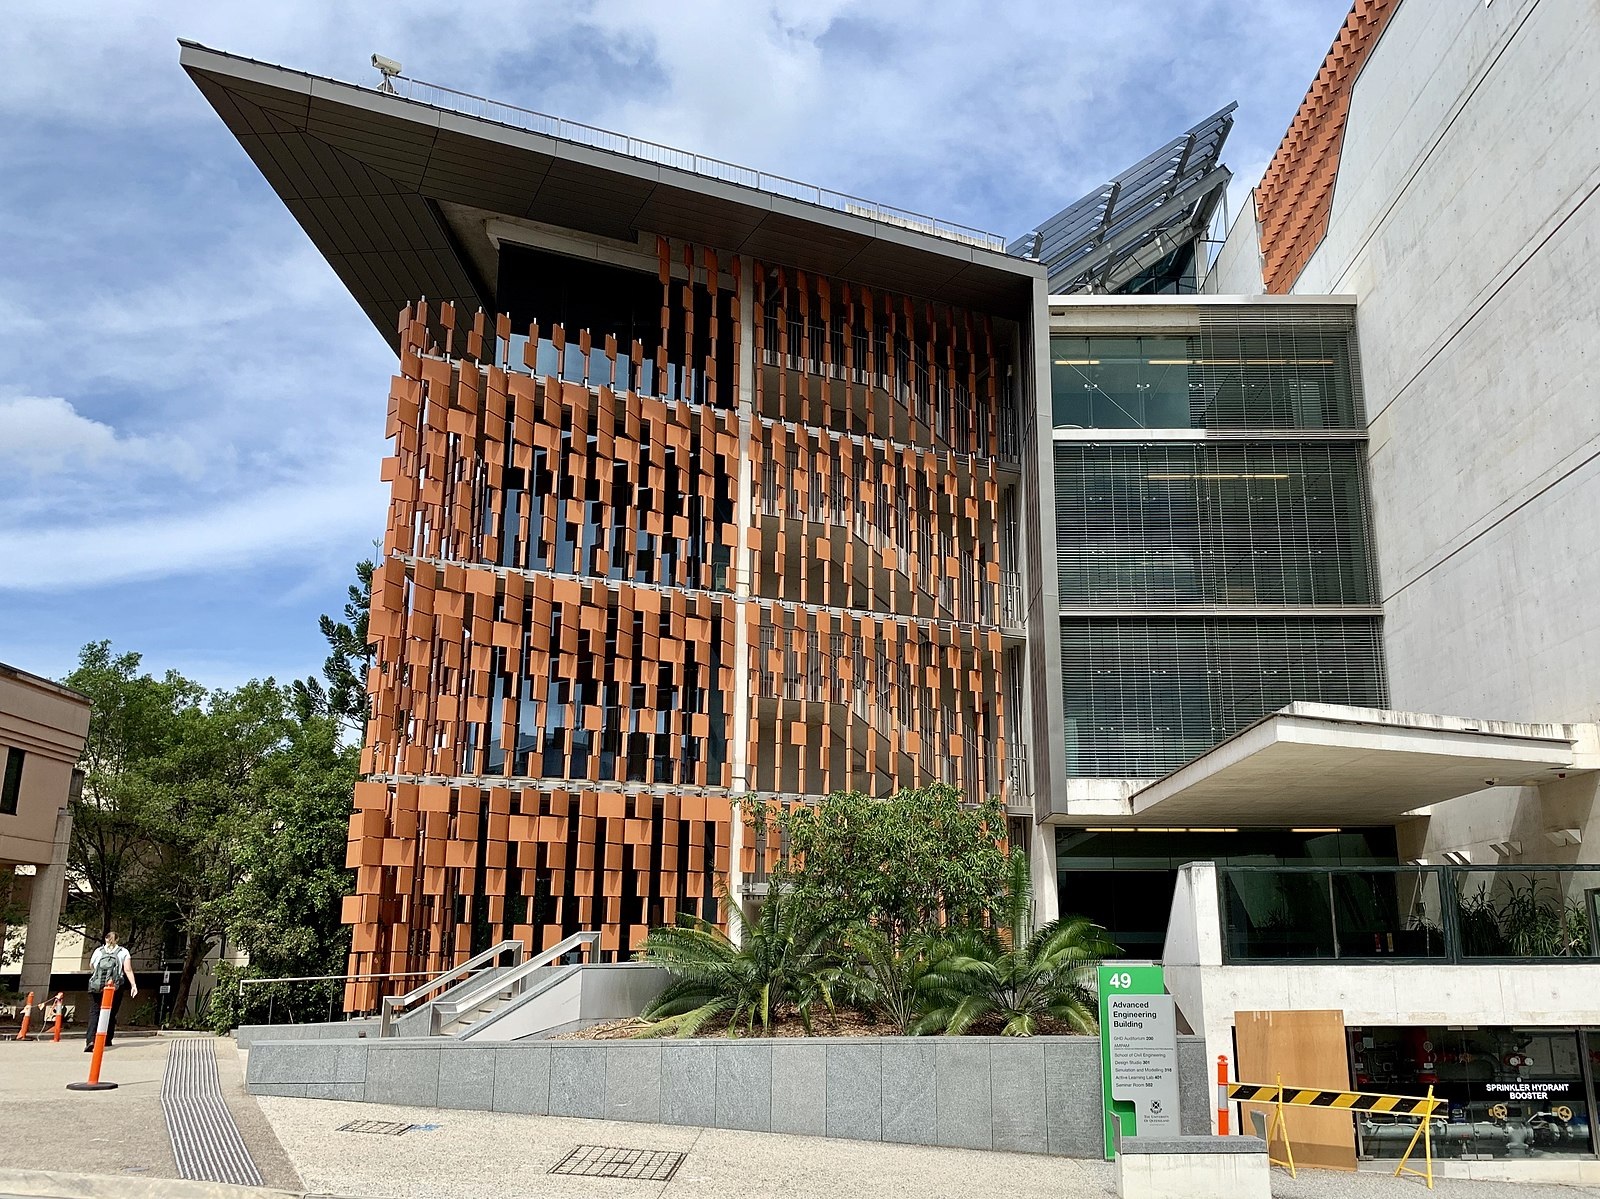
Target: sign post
[[1138, 1054]]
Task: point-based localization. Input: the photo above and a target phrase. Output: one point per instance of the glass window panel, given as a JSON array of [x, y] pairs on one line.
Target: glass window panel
[[1144, 695], [1177, 524], [1253, 369]]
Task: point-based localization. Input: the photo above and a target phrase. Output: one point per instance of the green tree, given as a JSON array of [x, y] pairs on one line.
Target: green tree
[[783, 963], [921, 859], [215, 775], [342, 691], [289, 847], [135, 724], [1015, 975]]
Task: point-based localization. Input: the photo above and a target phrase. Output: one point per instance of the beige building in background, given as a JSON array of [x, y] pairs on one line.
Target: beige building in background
[[43, 726]]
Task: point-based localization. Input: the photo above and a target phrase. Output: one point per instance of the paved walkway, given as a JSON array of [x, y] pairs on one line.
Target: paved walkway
[[121, 1134], [486, 1155], [113, 1145]]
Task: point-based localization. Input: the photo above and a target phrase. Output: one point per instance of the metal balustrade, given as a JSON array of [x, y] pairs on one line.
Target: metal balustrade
[[516, 117]]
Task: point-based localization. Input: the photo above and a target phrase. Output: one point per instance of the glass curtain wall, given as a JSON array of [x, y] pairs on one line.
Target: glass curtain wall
[[1144, 695], [1178, 523], [1206, 580]]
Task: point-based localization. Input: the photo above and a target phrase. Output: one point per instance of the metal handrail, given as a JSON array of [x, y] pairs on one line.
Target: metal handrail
[[514, 979], [391, 1002], [325, 978], [438, 96]]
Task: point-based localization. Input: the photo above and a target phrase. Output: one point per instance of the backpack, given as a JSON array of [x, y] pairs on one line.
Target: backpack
[[107, 969]]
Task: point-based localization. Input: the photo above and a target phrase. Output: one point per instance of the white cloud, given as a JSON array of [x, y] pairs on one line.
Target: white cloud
[[268, 525], [187, 387], [41, 434]]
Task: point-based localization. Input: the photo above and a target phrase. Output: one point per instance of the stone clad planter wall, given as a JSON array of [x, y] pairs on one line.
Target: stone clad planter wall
[[1028, 1095]]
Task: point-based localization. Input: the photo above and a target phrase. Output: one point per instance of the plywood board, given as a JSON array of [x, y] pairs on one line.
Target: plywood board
[[1300, 1049]]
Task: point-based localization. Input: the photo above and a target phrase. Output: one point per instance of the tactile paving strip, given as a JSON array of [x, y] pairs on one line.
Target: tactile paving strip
[[205, 1141]]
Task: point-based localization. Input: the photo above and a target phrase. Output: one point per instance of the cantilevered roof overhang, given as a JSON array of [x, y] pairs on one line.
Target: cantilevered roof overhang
[[1325, 764], [365, 173]]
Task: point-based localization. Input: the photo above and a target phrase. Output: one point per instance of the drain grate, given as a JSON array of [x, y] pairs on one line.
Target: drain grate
[[599, 1161], [387, 1128]]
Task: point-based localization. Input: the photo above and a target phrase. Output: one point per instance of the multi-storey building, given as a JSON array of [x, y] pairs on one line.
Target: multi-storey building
[[700, 493], [43, 726], [709, 485]]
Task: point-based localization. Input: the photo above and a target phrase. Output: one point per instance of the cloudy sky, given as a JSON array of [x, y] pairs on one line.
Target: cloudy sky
[[190, 404]]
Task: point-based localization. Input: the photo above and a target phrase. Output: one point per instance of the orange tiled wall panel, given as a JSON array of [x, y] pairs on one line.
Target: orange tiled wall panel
[[565, 610], [547, 749], [872, 525], [1295, 196], [847, 701], [851, 359], [434, 860]]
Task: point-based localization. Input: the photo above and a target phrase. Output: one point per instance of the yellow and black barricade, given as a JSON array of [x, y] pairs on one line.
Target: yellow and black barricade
[[1280, 1096]]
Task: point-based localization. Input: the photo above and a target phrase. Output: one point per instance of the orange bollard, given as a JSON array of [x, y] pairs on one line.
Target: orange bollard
[[1222, 1094], [94, 1083], [61, 1011], [27, 1017]]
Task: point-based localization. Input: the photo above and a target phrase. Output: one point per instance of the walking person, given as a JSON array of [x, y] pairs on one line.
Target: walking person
[[110, 964]]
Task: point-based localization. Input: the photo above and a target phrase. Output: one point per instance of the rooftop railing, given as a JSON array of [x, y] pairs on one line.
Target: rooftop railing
[[1443, 914], [683, 160]]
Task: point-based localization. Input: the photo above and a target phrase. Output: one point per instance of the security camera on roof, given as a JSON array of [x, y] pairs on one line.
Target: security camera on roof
[[387, 65]]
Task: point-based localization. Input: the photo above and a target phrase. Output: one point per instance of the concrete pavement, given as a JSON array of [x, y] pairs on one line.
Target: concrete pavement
[[60, 1144], [119, 1134]]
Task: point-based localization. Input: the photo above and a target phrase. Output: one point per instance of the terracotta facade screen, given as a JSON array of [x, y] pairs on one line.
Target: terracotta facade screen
[[621, 589], [1295, 196]]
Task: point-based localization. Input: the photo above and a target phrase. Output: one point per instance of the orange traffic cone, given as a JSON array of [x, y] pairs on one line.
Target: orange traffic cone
[[94, 1083], [27, 1017], [61, 1011]]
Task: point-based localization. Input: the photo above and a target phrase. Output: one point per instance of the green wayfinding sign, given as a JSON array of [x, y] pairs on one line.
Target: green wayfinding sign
[[1138, 1054]]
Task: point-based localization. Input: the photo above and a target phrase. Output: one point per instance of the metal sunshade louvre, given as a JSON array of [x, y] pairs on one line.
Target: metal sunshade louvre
[[1175, 188], [1289, 368], [1144, 695], [1179, 523], [1244, 369]]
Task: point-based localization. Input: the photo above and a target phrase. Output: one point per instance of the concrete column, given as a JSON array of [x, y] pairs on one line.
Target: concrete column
[[1042, 866], [44, 909], [740, 575]]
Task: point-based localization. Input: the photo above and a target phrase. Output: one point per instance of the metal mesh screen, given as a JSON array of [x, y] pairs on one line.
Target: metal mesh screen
[[1179, 523], [1144, 695]]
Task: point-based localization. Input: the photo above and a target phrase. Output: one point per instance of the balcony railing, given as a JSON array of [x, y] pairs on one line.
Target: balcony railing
[[634, 147], [1411, 913]]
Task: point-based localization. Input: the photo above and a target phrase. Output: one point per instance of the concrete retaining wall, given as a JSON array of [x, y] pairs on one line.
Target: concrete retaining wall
[[1029, 1095], [248, 1034]]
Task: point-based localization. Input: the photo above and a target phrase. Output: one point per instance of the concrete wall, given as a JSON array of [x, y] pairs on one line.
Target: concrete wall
[[246, 1035], [1030, 1095], [572, 997], [1466, 218], [1535, 821]]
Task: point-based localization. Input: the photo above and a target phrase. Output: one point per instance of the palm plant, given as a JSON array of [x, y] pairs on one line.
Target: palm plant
[[782, 963], [1016, 974], [886, 976]]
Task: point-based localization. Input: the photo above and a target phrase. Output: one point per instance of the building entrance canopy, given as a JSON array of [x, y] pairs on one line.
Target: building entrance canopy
[[1313, 764]]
